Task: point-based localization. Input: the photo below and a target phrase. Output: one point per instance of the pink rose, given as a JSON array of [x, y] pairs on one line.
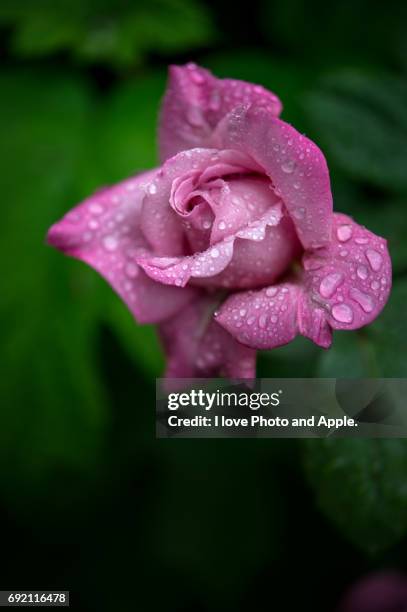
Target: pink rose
[[380, 592], [232, 244]]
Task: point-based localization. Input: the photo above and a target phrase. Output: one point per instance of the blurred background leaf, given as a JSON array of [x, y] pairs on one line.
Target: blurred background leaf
[[362, 121], [345, 32], [53, 403], [118, 32], [360, 484]]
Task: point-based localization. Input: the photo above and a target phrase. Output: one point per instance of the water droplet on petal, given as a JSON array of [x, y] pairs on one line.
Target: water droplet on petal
[[222, 225], [194, 116], [152, 188], [375, 259], [110, 243], [263, 321], [344, 233], [365, 301], [132, 270], [342, 313], [288, 166], [197, 77], [329, 284], [375, 285], [215, 253], [215, 101], [362, 272], [271, 291], [299, 213], [96, 209]]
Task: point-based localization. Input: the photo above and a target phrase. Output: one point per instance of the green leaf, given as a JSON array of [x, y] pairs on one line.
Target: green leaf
[[340, 32], [360, 485], [352, 355], [53, 414], [126, 131], [298, 358], [116, 32], [389, 333], [361, 121]]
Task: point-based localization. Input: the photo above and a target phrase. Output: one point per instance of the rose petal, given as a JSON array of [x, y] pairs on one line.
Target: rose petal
[[295, 165], [274, 250], [343, 286], [241, 200], [196, 346], [104, 232], [384, 591], [262, 319], [161, 222], [195, 102], [350, 279], [256, 263]]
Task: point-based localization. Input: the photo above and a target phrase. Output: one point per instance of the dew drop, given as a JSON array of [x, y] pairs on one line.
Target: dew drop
[[197, 77], [271, 291], [132, 270], [110, 243], [215, 101], [342, 313], [344, 233], [263, 321], [215, 253], [96, 209], [288, 166], [375, 285], [375, 259], [329, 284], [194, 116], [152, 188], [365, 301], [222, 225], [362, 272], [299, 213], [93, 224]]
